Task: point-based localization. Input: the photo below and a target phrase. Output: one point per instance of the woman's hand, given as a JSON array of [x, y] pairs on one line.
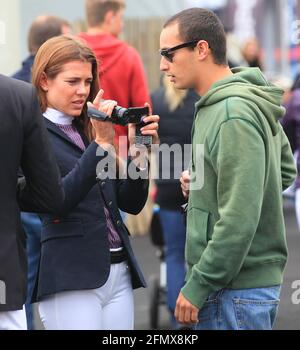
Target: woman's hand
[[151, 129], [104, 130]]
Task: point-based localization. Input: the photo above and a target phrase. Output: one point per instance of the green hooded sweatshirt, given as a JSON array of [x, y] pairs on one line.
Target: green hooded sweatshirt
[[241, 163]]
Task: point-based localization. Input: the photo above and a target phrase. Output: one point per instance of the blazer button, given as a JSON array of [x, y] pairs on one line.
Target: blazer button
[[119, 223], [110, 203]]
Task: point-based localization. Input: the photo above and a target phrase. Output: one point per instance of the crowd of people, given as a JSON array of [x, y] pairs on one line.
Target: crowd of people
[[225, 262]]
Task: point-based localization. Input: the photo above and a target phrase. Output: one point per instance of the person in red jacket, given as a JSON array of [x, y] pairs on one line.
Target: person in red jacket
[[122, 74]]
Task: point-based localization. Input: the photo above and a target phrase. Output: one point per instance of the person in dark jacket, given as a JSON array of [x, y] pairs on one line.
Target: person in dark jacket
[[176, 110], [23, 142], [87, 270], [41, 29]]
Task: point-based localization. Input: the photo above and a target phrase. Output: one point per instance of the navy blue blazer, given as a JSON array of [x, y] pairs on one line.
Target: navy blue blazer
[[23, 142], [74, 242]]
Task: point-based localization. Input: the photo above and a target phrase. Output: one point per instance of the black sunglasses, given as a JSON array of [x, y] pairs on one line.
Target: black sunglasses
[[169, 53]]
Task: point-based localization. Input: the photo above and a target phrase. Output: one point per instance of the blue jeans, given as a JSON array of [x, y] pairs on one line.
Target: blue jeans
[[174, 237], [32, 226], [240, 309]]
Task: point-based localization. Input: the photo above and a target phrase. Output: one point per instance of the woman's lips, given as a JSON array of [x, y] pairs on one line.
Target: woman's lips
[[78, 104]]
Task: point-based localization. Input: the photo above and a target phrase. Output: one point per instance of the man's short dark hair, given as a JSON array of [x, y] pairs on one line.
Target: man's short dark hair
[[44, 28], [201, 24]]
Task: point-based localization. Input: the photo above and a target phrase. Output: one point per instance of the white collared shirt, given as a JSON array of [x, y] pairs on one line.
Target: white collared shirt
[[58, 117]]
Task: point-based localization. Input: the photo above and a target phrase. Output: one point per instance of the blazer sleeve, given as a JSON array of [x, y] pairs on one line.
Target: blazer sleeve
[[132, 193], [78, 182]]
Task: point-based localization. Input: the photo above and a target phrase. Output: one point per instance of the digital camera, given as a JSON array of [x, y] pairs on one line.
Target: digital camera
[[123, 116]]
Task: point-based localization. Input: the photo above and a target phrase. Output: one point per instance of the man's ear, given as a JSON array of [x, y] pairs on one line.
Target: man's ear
[[203, 49], [44, 82], [109, 17]]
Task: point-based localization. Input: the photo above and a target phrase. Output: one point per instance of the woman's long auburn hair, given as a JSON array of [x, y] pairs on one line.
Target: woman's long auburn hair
[[173, 97], [50, 59]]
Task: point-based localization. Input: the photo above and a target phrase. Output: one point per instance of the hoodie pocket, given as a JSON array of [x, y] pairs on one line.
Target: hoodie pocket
[[197, 226]]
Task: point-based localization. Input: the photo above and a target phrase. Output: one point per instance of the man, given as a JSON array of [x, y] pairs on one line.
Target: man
[[42, 28], [236, 248], [122, 74], [23, 142]]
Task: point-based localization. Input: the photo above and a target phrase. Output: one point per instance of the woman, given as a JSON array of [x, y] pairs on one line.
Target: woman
[[251, 53], [87, 270], [176, 108]]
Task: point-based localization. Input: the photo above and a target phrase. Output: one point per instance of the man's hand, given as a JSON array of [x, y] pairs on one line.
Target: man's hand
[[140, 155], [185, 312], [185, 183]]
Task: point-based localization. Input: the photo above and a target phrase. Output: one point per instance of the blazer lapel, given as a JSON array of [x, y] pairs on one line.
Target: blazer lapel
[[56, 130]]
